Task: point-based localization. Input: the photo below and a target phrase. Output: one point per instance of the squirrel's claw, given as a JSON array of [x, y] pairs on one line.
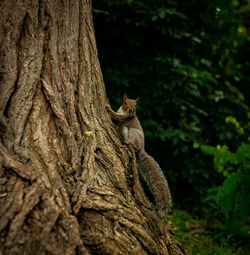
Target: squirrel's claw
[[108, 107]]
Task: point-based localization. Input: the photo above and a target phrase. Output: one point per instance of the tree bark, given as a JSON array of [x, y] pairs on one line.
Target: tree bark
[[62, 191]]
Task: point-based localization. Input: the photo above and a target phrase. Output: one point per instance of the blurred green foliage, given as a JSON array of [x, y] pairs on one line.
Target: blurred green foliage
[[231, 201], [188, 61]]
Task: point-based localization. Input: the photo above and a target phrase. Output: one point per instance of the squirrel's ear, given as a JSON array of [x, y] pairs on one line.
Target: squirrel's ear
[[124, 97], [137, 99]]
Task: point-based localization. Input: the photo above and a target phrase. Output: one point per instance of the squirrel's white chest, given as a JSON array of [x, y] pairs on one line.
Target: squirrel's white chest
[[121, 111]]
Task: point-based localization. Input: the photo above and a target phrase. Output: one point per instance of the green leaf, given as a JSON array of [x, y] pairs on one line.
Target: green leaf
[[196, 146]]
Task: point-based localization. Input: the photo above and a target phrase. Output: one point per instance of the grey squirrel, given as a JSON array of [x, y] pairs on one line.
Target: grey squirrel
[[132, 133]]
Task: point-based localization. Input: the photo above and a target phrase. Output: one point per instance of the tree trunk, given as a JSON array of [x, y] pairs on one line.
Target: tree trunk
[[62, 191]]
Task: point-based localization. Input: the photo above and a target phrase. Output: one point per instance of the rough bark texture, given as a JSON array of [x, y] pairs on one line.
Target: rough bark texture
[[62, 192]]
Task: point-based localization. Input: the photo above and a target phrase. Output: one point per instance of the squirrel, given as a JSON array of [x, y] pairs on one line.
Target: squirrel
[[133, 134]]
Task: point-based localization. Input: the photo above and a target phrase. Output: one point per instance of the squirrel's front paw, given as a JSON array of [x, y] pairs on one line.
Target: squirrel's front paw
[[108, 107]]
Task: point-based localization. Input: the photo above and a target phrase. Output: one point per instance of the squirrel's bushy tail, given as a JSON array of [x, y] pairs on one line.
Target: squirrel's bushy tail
[[156, 180]]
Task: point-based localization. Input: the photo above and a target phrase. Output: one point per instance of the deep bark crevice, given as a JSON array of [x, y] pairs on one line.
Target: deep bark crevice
[[7, 106]]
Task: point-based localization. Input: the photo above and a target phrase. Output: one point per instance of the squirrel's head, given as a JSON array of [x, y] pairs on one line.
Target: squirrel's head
[[129, 105]]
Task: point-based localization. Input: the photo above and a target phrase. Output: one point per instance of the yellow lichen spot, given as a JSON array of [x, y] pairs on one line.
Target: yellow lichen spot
[[88, 133], [131, 176]]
